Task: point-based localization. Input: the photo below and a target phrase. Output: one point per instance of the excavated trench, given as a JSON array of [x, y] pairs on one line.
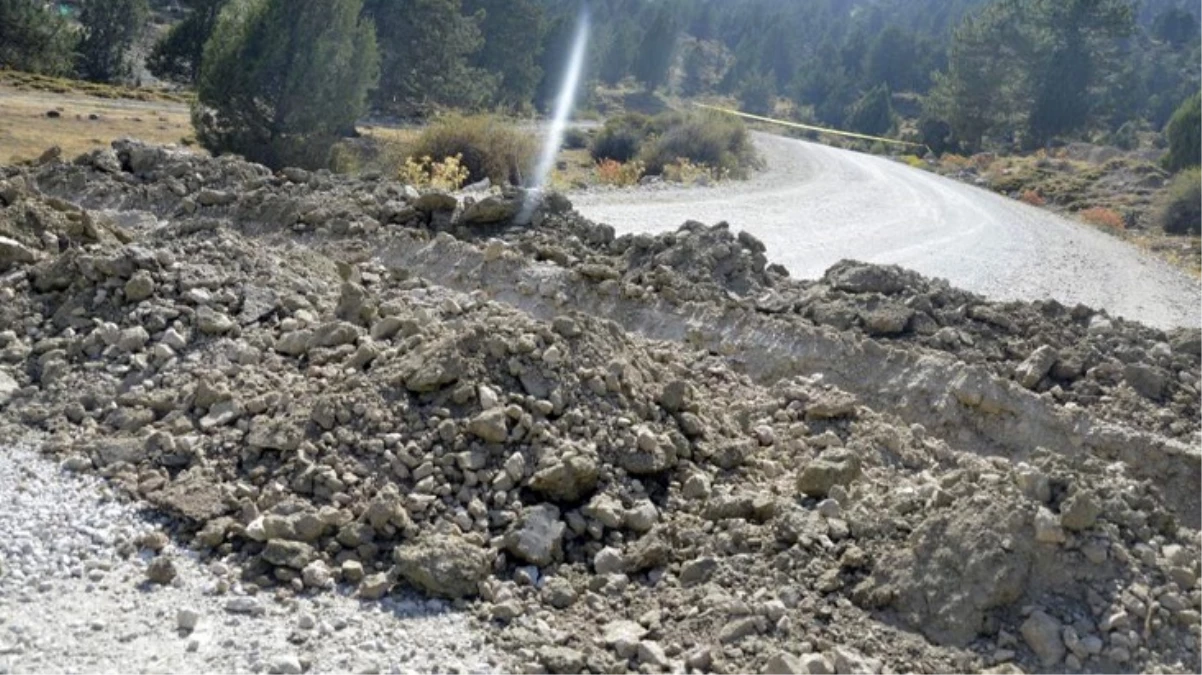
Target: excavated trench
[[956, 401]]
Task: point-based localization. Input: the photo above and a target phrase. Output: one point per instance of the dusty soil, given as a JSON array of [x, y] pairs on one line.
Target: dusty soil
[[617, 453]]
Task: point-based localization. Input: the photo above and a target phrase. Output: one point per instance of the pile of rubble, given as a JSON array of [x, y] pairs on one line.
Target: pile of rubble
[[227, 345]]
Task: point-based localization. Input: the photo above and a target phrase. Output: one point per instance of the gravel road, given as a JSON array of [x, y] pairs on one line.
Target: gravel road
[[816, 205], [72, 600]]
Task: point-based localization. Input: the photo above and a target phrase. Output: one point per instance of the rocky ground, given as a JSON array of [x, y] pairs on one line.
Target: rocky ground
[[598, 453]]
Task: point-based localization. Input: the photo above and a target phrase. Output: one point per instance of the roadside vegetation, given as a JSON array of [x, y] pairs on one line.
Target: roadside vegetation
[[689, 147], [1012, 81]]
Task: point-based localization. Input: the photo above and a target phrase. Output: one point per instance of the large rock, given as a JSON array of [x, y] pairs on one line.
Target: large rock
[[284, 553], [490, 425], [570, 480], [294, 343], [1187, 341], [8, 387], [836, 467], [334, 334], [651, 455], [13, 252], [443, 565], [212, 322], [1042, 634], [1148, 381], [539, 537], [432, 202], [857, 277], [1035, 367], [491, 210]]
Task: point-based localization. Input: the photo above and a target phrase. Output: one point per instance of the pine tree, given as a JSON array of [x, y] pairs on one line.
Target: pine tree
[[178, 55], [426, 47], [758, 95], [34, 38], [110, 28], [1177, 26], [1184, 133], [623, 43], [693, 66], [281, 79], [983, 87], [1071, 38], [655, 53], [513, 34], [873, 113]]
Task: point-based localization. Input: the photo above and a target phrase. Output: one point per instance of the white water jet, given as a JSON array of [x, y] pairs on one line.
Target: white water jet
[[563, 110]]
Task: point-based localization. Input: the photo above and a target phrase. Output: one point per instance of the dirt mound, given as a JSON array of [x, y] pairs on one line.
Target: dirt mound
[[230, 348]]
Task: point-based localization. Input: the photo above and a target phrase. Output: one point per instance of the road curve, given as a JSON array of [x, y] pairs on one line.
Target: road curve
[[816, 205]]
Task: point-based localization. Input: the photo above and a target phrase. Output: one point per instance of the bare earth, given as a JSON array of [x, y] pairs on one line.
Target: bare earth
[[817, 205]]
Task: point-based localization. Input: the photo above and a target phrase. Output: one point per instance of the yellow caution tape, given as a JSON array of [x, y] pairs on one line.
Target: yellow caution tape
[[808, 127]]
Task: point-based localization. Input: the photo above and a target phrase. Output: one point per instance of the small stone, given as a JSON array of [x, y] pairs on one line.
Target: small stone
[[835, 467], [244, 605], [784, 663], [186, 619], [1047, 527], [1043, 635], [1080, 511], [608, 561], [161, 570], [642, 517], [374, 586], [285, 664], [539, 538], [490, 426], [737, 629], [697, 571], [696, 486], [316, 575], [352, 571], [212, 322], [652, 654], [139, 287]]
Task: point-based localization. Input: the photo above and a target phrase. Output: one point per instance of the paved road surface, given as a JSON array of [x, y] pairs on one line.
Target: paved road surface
[[816, 205]]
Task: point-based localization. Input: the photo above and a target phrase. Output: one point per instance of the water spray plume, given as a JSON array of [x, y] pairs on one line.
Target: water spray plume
[[563, 110]]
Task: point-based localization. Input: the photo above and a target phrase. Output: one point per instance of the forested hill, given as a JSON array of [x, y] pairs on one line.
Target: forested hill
[[960, 74]]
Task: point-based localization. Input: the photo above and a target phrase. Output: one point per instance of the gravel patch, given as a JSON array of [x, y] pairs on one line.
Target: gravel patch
[[74, 597]]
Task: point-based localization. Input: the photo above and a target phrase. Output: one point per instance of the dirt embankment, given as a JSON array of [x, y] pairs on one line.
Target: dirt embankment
[[638, 453]]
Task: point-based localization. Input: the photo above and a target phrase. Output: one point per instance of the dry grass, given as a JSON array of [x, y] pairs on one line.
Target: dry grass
[[574, 169], [26, 132], [30, 82]]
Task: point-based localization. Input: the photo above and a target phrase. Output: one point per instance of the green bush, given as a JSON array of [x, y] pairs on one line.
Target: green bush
[[490, 147], [713, 139], [1180, 210], [575, 139], [1126, 137], [621, 138], [1184, 132], [35, 38], [281, 81]]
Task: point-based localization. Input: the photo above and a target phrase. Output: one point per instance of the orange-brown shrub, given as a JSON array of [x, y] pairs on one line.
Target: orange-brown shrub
[[613, 172], [1032, 197], [1103, 217]]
